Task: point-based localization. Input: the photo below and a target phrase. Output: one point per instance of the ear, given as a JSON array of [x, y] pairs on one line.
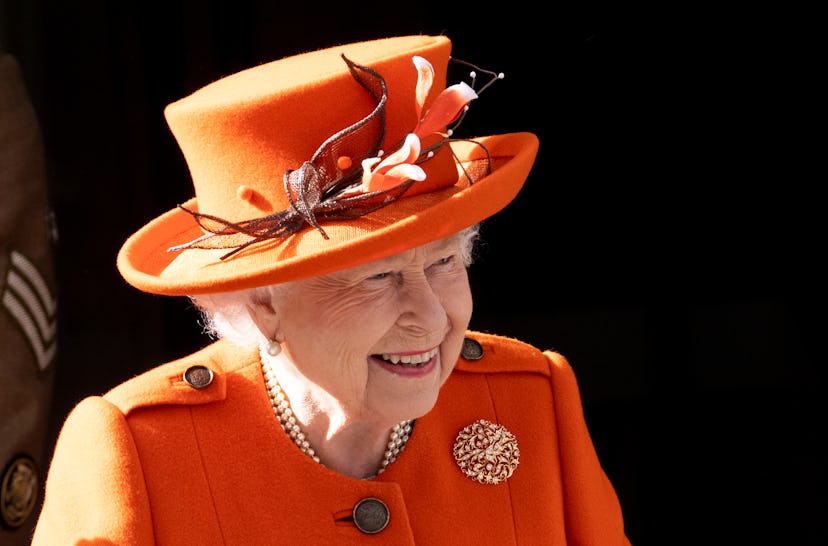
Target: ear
[[265, 318]]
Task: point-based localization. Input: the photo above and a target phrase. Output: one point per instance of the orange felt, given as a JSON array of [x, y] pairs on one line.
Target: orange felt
[[239, 135]]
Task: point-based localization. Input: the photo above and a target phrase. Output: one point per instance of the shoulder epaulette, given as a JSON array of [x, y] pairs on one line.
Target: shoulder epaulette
[[489, 353], [198, 378]]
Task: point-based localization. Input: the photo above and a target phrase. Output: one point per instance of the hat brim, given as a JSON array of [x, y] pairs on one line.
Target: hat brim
[[146, 263]]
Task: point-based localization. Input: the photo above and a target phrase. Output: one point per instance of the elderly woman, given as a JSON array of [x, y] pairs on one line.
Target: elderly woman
[[344, 401]]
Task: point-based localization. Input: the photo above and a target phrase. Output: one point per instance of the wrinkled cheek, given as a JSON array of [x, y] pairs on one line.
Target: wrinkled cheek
[[463, 308], [449, 355], [460, 315]]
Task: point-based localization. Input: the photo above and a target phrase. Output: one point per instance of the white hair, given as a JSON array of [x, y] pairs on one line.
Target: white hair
[[227, 314]]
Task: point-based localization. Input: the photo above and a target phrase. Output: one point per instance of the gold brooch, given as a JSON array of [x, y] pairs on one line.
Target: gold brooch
[[486, 452]]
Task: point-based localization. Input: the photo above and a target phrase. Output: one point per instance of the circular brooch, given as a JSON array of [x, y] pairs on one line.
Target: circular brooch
[[487, 453]]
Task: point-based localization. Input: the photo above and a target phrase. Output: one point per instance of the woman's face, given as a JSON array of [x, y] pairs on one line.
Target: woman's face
[[380, 338]]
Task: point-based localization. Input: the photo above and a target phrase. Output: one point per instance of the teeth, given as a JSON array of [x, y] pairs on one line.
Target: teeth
[[411, 360]]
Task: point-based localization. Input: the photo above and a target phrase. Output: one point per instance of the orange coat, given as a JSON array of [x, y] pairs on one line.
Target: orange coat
[[155, 461]]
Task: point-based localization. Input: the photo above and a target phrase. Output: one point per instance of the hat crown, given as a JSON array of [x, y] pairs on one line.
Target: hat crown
[[242, 133]]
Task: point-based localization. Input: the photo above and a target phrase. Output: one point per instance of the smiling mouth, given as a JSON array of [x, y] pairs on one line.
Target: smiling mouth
[[409, 361]]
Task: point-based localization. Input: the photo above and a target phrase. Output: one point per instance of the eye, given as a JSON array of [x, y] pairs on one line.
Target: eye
[[379, 276], [447, 260]]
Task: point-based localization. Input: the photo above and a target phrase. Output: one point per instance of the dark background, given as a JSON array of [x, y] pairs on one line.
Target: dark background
[[668, 241]]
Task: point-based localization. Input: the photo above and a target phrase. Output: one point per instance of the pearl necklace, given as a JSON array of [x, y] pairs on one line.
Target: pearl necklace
[[397, 437]]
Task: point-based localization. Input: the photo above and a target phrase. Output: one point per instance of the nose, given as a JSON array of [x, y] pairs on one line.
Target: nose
[[421, 307]]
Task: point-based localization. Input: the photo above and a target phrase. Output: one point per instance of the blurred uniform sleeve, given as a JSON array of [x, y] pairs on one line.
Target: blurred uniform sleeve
[[28, 306]]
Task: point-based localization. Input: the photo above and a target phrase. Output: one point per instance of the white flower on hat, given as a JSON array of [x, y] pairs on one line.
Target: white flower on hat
[[383, 173]]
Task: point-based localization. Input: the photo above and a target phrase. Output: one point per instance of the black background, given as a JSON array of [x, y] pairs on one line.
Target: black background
[[668, 241]]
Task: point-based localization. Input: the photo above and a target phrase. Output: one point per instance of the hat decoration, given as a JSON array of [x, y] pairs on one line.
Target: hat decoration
[[349, 175]]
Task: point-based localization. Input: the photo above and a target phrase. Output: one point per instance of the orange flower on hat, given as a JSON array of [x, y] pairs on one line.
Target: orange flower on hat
[[380, 173]]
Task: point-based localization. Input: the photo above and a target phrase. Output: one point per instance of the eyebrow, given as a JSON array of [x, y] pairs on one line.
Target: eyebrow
[[444, 244]]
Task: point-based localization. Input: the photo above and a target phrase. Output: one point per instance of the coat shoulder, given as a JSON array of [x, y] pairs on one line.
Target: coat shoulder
[[198, 378], [492, 353]]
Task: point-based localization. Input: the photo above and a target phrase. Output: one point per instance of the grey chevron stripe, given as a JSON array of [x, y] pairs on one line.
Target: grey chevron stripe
[[30, 303]]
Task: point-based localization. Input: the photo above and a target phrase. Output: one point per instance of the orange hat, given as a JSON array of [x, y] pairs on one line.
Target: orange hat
[[319, 162]]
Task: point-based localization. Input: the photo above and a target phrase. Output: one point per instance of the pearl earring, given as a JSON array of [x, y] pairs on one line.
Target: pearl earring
[[273, 347]]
